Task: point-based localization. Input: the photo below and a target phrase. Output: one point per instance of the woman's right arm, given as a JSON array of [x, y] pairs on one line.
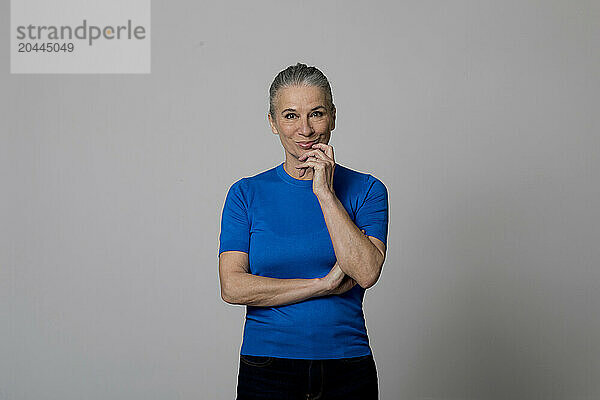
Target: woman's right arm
[[238, 286]]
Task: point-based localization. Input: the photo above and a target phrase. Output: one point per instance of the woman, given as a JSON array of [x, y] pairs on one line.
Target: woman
[[299, 244]]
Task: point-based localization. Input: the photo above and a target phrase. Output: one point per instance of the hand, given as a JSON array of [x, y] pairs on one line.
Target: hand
[[337, 282], [322, 161]]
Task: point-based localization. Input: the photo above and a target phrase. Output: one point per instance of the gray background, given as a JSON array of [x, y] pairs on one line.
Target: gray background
[[480, 117]]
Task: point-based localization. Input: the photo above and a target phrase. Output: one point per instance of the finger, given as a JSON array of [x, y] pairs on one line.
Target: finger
[[312, 162], [317, 153], [327, 149]]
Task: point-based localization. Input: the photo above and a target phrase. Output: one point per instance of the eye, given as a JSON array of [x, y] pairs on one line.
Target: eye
[[317, 114], [289, 116]]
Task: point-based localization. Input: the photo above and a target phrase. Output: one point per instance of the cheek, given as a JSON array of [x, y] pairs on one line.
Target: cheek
[[285, 139], [322, 126], [286, 135], [287, 131]]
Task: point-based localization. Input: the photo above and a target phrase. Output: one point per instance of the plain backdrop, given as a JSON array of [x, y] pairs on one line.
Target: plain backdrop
[[480, 117]]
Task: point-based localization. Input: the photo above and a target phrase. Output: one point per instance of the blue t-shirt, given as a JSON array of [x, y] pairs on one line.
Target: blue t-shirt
[[278, 221]]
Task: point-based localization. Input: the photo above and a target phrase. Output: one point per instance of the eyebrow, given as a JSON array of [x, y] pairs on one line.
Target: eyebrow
[[294, 110]]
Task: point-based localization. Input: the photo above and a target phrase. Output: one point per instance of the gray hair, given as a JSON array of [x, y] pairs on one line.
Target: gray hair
[[299, 75]]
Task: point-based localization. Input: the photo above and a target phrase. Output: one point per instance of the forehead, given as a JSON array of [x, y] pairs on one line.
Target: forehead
[[299, 97]]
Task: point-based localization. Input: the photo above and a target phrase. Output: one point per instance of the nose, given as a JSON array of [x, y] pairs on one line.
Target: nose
[[305, 127]]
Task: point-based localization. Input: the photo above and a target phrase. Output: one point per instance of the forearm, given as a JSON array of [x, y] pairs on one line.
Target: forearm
[[356, 255], [254, 290]]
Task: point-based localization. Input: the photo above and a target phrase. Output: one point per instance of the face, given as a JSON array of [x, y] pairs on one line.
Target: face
[[301, 116]]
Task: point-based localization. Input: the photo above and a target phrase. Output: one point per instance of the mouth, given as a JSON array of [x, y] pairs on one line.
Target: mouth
[[305, 145]]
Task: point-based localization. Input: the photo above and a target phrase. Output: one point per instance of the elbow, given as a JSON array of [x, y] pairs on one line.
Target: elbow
[[227, 295], [232, 288], [231, 300], [365, 285], [226, 298], [371, 279]]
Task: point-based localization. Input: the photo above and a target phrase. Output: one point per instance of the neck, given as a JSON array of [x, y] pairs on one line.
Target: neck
[[290, 167]]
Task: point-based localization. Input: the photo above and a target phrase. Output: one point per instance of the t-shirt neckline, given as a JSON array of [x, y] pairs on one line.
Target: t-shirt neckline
[[307, 183], [291, 180]]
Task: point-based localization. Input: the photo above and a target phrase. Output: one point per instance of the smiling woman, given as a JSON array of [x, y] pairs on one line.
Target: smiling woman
[[299, 245], [307, 117]]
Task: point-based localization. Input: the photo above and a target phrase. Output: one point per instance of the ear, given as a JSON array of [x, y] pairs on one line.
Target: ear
[[273, 128]]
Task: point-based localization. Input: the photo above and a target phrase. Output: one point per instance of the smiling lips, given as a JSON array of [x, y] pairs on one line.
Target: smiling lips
[[305, 145]]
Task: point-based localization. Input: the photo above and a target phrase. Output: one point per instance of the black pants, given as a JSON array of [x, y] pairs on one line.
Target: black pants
[[262, 377]]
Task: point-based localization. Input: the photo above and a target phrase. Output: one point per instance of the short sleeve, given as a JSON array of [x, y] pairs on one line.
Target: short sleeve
[[372, 215], [235, 227]]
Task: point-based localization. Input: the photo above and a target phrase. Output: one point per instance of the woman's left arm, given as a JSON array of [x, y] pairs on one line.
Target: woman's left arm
[[360, 257]]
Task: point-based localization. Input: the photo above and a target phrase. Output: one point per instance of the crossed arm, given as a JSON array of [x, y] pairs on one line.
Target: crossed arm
[[360, 257], [238, 286]]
